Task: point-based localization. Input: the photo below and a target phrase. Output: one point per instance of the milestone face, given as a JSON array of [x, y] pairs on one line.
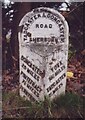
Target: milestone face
[[43, 53]]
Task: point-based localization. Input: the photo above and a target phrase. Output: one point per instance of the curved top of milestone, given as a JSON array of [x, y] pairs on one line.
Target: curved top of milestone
[[43, 26]]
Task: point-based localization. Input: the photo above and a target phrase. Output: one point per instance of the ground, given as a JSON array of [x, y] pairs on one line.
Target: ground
[[14, 105]]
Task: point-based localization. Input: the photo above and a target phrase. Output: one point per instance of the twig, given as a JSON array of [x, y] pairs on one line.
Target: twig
[[80, 114], [17, 108]]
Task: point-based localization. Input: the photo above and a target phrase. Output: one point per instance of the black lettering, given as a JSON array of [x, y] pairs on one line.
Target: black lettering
[[27, 94], [52, 69], [35, 76], [60, 25], [26, 26], [34, 39], [25, 39], [55, 90], [51, 87], [32, 19], [36, 10], [35, 17], [62, 35], [56, 66], [37, 25], [57, 72], [45, 26], [43, 15], [29, 81], [50, 25], [37, 94], [30, 39], [24, 66], [39, 15], [50, 94], [56, 82], [60, 63], [51, 77], [48, 15], [29, 21], [41, 25], [30, 88], [62, 40], [38, 78], [60, 85], [55, 19], [58, 21], [62, 30], [62, 68], [56, 40]]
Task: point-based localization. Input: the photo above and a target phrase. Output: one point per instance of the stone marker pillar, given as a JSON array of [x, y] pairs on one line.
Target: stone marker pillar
[[43, 54]]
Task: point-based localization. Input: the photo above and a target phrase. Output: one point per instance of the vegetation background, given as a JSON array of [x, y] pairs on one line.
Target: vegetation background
[[69, 106]]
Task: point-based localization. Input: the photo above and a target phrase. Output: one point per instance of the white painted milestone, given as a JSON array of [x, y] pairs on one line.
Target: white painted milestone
[[43, 54]]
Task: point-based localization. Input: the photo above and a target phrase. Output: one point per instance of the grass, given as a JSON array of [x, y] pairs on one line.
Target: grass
[[65, 106], [71, 53], [70, 104], [68, 100]]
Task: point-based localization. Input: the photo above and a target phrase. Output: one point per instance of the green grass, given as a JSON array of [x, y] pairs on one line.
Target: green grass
[[69, 100], [71, 53], [66, 106]]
